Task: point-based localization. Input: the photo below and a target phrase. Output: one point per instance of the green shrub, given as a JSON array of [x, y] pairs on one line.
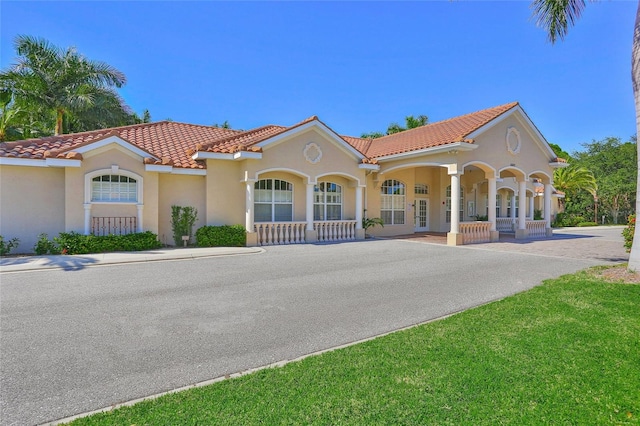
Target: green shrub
[[370, 222], [45, 246], [481, 218], [627, 232], [564, 219], [182, 221], [581, 224], [221, 236], [5, 247], [74, 243], [537, 214]]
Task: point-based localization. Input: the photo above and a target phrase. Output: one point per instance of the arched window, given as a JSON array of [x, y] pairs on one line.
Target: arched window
[[448, 204], [111, 188], [392, 202], [421, 189], [327, 201], [273, 201]]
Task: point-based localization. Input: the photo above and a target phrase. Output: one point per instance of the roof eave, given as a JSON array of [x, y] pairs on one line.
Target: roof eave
[[455, 146]]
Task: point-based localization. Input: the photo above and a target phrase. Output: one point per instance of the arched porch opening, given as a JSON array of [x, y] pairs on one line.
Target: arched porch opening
[[284, 206]]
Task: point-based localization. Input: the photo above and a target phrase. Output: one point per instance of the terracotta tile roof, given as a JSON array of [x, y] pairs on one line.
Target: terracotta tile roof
[[361, 144], [173, 143], [169, 141], [242, 141], [440, 133]]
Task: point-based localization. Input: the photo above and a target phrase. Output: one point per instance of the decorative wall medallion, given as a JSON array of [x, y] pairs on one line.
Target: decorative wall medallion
[[513, 140], [312, 153]]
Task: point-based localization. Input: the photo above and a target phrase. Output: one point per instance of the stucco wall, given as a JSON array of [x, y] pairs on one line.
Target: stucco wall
[[31, 202], [105, 158], [225, 193], [179, 190]]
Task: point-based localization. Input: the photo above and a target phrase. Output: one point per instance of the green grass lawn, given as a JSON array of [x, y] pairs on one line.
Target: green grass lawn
[[566, 352]]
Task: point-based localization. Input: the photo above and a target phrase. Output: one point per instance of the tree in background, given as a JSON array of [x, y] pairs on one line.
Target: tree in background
[[224, 125], [572, 180], [62, 86], [560, 153], [411, 122], [556, 16], [614, 165]]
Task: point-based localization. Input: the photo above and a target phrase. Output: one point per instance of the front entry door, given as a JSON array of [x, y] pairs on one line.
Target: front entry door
[[422, 214]]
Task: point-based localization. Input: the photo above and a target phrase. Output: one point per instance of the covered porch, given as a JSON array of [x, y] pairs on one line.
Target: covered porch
[[288, 207]]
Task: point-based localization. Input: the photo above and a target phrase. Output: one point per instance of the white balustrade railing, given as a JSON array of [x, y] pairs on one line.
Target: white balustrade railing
[[505, 224], [536, 228], [475, 232], [274, 233], [335, 230]]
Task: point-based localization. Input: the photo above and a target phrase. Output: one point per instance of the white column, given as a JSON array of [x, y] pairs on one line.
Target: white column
[[492, 203], [87, 218], [248, 215], [309, 203], [547, 204], [522, 207], [531, 207], [513, 206], [359, 207], [139, 208], [455, 203]]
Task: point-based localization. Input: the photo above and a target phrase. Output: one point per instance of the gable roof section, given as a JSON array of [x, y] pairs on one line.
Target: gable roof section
[[165, 140], [257, 139], [436, 134]]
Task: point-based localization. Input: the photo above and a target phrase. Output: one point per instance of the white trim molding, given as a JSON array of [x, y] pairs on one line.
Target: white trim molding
[[88, 178], [456, 146]]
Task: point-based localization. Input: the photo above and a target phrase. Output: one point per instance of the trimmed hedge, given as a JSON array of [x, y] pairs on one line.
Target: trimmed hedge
[[74, 243], [221, 236]]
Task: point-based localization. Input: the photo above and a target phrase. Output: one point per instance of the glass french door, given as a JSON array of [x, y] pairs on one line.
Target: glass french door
[[422, 214]]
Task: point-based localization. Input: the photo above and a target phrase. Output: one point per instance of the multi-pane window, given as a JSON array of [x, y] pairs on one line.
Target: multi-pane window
[[392, 202], [448, 204], [498, 204], [327, 201], [273, 201], [114, 188], [421, 189]]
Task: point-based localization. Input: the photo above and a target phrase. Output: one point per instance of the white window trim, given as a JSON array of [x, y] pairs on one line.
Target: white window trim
[[88, 179], [426, 187], [324, 200], [293, 201], [393, 210]]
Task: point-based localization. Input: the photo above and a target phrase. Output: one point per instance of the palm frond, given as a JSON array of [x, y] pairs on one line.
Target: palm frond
[[556, 16]]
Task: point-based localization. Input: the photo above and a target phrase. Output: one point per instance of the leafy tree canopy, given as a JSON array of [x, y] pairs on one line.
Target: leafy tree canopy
[[411, 122], [54, 90]]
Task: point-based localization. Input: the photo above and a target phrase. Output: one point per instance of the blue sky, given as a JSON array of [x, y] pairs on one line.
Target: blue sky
[[357, 65]]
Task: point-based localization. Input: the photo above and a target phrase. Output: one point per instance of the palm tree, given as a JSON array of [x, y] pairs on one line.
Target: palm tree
[[411, 122], [573, 179], [556, 16], [64, 83]]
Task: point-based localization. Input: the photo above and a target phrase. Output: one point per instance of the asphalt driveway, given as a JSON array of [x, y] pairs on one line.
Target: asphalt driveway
[[75, 341]]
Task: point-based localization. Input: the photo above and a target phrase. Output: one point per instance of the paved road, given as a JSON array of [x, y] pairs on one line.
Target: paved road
[[75, 341]]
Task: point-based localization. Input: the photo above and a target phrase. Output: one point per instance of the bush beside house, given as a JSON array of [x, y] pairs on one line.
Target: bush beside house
[[221, 236], [74, 243]]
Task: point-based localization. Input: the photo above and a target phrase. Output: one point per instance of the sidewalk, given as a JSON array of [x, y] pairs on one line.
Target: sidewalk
[[81, 261]]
